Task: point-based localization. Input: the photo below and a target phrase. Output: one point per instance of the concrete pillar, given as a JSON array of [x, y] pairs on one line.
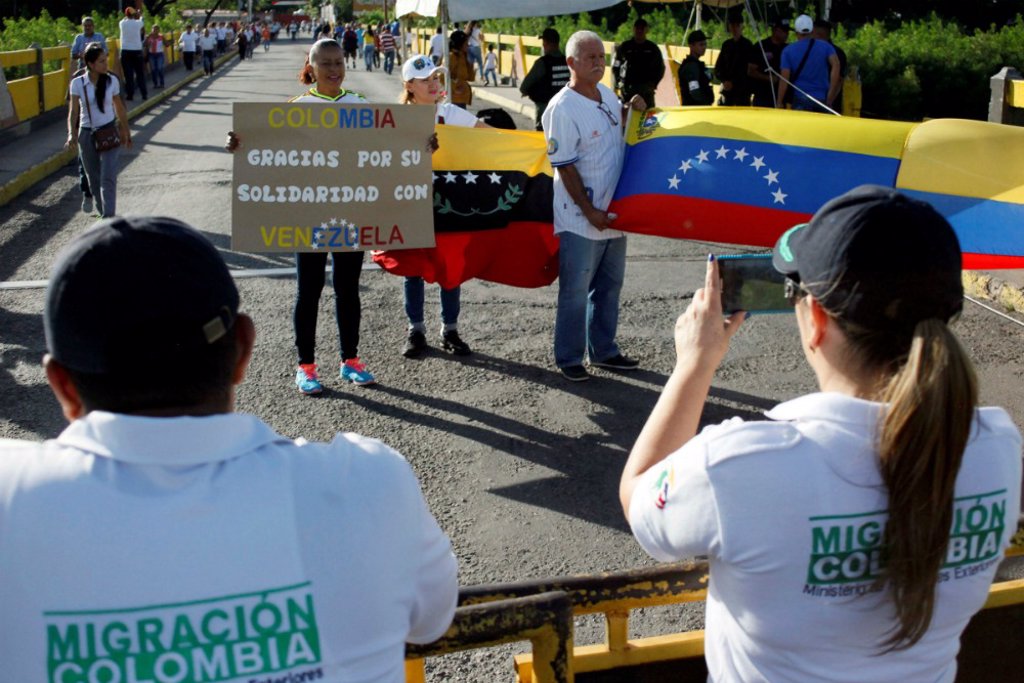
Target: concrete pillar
[[999, 109]]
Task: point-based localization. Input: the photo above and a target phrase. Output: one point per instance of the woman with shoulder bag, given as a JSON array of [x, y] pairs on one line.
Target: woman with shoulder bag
[[99, 127]]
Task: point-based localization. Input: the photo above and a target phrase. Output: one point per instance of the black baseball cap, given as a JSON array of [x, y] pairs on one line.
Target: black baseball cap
[[136, 290], [696, 37], [781, 22], [876, 257], [551, 35], [640, 23]]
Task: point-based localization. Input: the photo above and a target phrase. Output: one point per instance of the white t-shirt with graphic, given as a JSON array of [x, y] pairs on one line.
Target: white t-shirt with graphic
[[213, 549], [790, 514], [587, 134]]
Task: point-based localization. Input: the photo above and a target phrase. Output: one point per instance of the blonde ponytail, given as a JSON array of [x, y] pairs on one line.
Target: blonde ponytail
[[931, 400]]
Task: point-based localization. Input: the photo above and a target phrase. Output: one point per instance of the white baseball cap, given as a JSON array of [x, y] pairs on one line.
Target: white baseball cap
[[804, 24], [418, 66]]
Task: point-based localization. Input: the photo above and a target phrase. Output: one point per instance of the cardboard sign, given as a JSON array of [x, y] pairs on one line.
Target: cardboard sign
[[331, 177]]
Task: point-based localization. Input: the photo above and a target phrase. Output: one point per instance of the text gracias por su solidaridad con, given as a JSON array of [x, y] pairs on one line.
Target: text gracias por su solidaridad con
[[342, 234]]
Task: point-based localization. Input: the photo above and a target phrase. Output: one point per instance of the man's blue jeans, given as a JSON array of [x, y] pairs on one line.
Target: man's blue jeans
[[590, 278], [414, 295]]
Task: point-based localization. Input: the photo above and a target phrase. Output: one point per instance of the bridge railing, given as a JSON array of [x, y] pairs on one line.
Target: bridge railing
[[44, 90]]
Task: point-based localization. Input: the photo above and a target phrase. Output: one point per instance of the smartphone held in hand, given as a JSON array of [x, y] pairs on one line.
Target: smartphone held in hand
[[750, 283]]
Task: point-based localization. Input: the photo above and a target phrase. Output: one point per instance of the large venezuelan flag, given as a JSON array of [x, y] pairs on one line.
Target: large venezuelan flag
[[973, 173], [492, 212], [745, 176]]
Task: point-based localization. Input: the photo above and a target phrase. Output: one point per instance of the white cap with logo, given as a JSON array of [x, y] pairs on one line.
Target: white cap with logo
[[418, 66]]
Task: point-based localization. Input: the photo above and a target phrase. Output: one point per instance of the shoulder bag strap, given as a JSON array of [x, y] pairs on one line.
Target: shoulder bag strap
[[85, 96], [800, 67]]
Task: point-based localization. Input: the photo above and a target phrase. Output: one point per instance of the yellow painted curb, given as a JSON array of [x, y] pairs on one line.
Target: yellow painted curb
[[21, 182], [984, 286]]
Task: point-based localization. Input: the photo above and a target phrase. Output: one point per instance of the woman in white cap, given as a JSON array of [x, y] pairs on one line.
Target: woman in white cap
[[866, 519], [423, 86], [324, 71]]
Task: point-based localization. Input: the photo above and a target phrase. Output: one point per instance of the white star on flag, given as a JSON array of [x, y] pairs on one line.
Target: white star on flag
[[741, 154], [702, 157], [673, 182], [780, 196], [772, 177], [333, 221], [495, 178], [757, 163], [470, 177], [449, 177], [722, 152], [685, 166], [435, 176]]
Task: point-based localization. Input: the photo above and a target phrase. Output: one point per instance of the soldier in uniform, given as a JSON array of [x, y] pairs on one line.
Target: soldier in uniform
[[638, 66], [693, 73], [548, 75], [731, 66], [766, 55]]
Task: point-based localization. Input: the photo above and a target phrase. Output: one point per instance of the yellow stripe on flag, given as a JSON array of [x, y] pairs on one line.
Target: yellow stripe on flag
[[492, 150], [795, 128], [965, 159]]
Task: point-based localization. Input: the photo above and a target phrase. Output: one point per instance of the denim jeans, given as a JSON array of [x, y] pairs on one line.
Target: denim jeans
[[368, 53], [208, 61], [346, 268], [476, 57], [101, 170], [389, 61], [590, 278], [156, 68], [414, 292]]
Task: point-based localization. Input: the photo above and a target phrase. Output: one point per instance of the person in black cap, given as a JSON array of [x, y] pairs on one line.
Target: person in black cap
[[161, 505], [766, 63], [731, 65], [547, 76], [693, 72], [638, 66], [842, 516]]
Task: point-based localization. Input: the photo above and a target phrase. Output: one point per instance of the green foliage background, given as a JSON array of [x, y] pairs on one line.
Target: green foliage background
[[929, 67]]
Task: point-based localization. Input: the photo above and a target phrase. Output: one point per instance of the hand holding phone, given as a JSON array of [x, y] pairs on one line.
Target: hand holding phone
[[750, 283]]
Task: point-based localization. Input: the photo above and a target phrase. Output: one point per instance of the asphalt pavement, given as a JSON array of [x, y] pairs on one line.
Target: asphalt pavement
[[520, 466]]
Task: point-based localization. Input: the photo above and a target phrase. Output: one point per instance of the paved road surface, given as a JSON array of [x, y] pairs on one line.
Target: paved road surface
[[520, 467]]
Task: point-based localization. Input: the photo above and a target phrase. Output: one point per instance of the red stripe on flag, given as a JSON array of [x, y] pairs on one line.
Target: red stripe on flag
[[992, 262], [522, 254], [703, 219]]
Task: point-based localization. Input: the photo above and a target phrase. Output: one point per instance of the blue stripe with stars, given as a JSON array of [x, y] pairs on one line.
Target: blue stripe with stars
[[759, 174], [983, 226]]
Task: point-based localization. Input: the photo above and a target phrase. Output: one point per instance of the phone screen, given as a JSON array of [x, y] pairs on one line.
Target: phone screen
[[750, 283]]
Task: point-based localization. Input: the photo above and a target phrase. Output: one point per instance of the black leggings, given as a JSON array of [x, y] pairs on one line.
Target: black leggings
[[310, 267]]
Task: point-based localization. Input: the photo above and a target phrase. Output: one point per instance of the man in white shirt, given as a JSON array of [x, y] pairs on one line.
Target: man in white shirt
[[583, 126], [188, 42], [437, 47], [162, 536]]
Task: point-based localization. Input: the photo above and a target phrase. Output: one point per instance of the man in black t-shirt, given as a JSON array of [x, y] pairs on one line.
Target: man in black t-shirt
[[547, 76], [767, 53], [638, 66], [731, 66]]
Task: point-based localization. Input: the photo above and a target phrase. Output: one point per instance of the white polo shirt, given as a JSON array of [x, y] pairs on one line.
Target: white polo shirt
[[81, 88], [213, 549], [588, 135], [188, 41], [790, 513]]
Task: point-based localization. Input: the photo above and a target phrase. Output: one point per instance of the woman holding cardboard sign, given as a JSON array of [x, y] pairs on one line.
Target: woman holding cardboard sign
[[324, 70], [423, 86]]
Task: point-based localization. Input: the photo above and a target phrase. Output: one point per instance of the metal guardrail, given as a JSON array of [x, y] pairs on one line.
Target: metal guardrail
[[544, 618]]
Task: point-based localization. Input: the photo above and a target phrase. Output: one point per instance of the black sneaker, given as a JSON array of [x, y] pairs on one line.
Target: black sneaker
[[451, 342], [575, 373], [415, 344], [617, 362]]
